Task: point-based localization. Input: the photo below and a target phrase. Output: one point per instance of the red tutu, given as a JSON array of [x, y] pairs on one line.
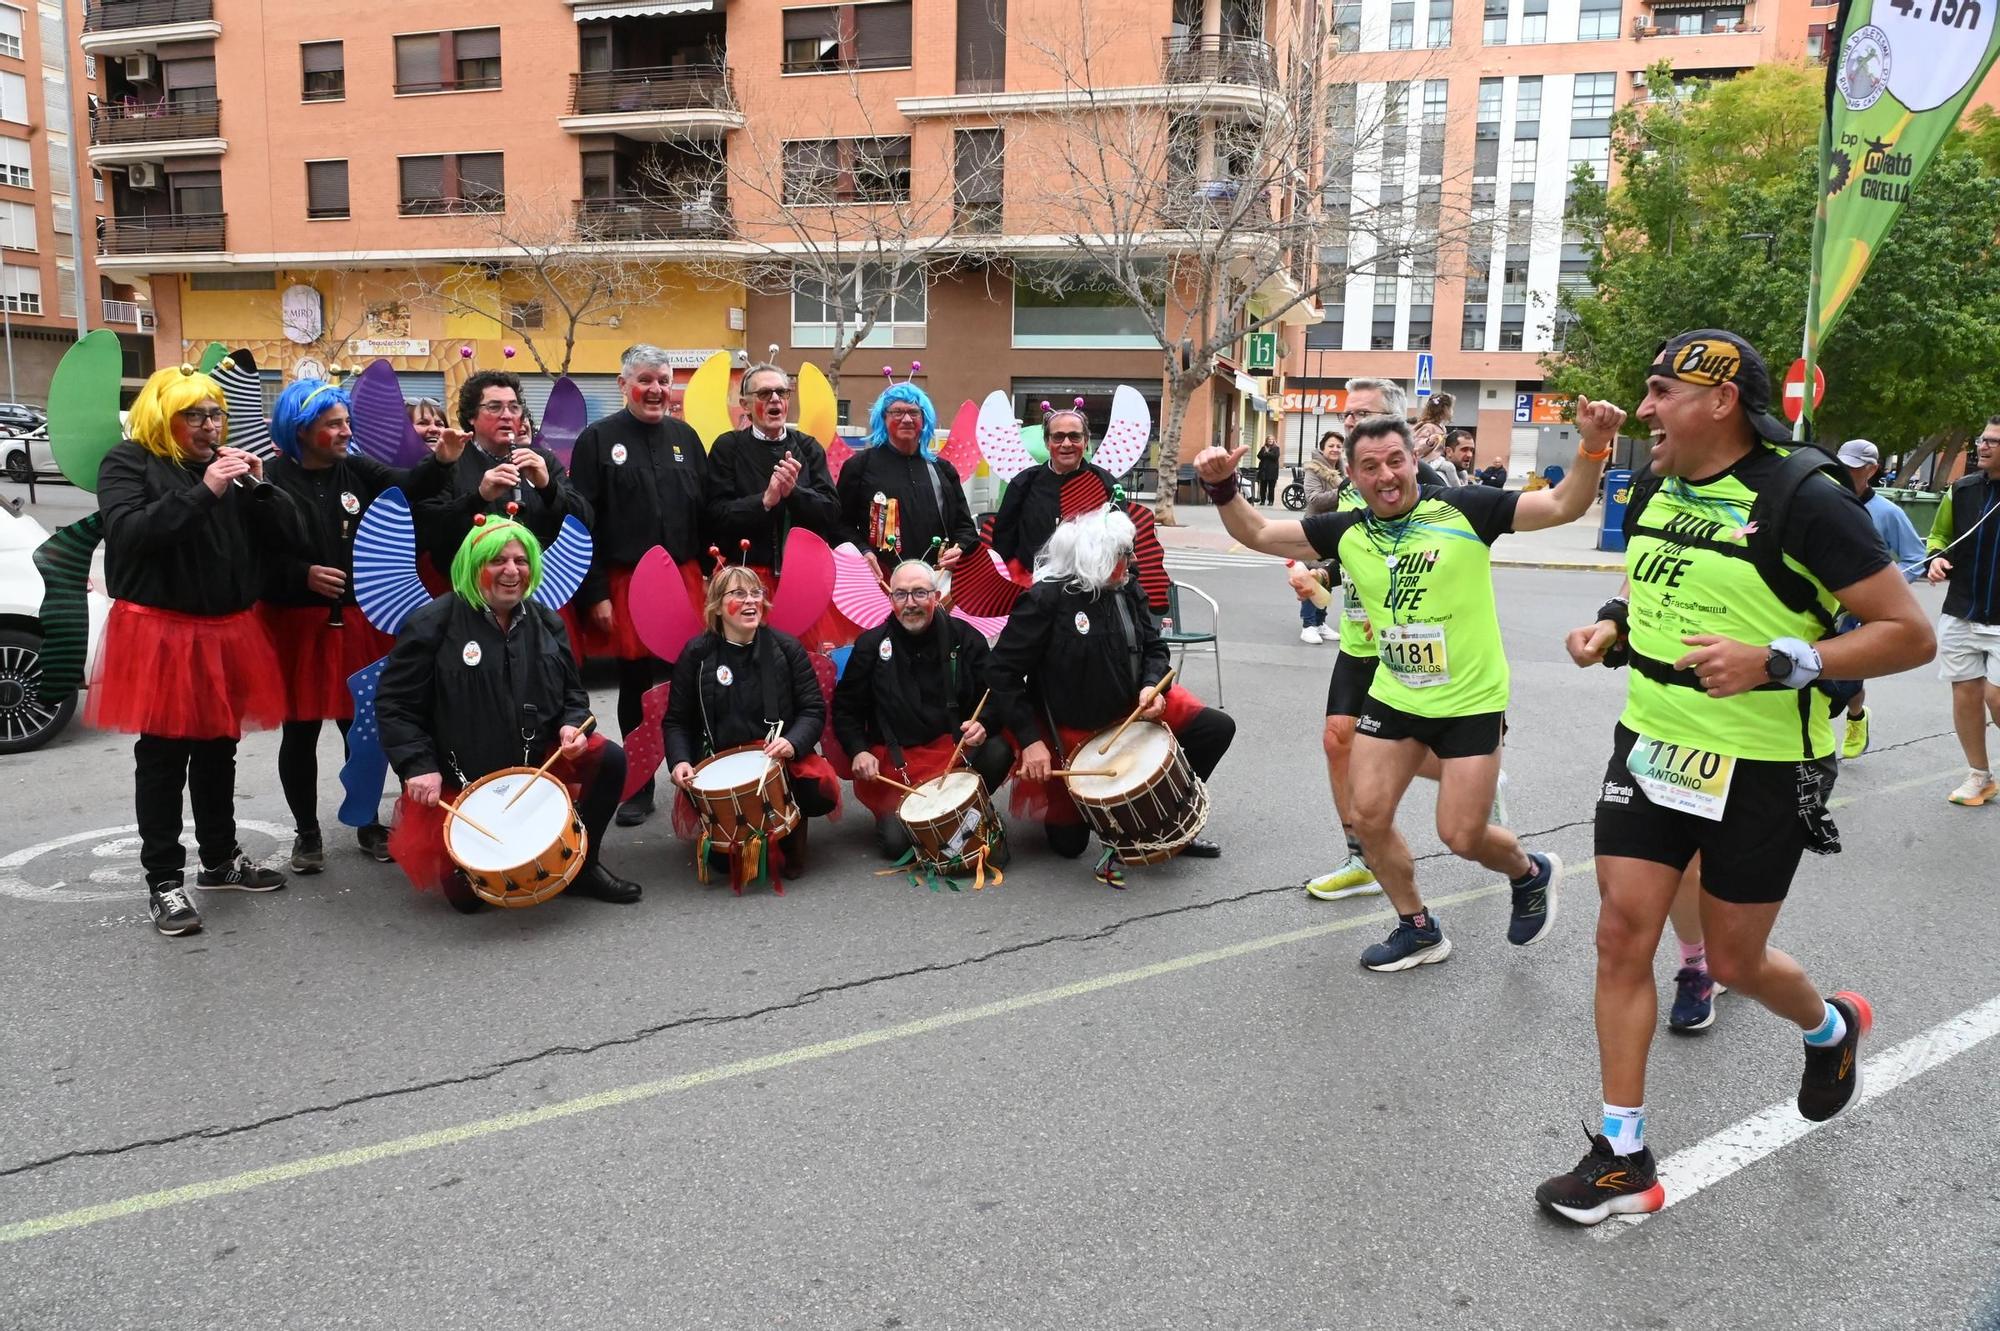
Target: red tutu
[[416, 839], [921, 763], [180, 676], [316, 659], [622, 639], [1049, 801]]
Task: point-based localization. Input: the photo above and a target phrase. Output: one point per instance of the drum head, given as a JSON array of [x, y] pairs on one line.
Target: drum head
[[1140, 754], [533, 825], [935, 798], [728, 771]]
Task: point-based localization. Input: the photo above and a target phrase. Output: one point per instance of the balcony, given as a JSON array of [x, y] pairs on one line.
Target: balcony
[[642, 217], [1214, 205], [138, 131], [121, 27], [1244, 62], [657, 102], [189, 233]]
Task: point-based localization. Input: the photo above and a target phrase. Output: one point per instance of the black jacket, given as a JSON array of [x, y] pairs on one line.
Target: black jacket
[[645, 487], [917, 484], [457, 692], [329, 522], [739, 467], [445, 518], [1075, 657], [1031, 511], [924, 687], [770, 679], [170, 543]]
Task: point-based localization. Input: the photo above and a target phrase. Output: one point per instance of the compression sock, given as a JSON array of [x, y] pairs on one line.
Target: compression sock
[[1694, 956], [1831, 1031], [1625, 1128]]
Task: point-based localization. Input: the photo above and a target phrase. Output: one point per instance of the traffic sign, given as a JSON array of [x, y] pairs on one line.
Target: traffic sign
[[1425, 367], [1263, 353], [1524, 408], [1795, 389]]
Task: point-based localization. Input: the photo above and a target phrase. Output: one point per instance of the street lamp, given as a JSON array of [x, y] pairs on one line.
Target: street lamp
[[1770, 239]]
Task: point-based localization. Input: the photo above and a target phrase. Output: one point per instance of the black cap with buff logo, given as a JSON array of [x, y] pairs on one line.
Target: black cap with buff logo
[[1709, 356]]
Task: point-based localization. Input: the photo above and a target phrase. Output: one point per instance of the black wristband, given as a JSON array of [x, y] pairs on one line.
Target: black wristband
[[1618, 610], [1222, 491]]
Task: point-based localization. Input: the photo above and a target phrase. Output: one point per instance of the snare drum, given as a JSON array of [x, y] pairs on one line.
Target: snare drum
[[1150, 805], [952, 824], [743, 793], [541, 841]]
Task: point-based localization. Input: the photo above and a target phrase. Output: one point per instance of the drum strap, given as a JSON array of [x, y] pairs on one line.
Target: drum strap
[[1135, 658]]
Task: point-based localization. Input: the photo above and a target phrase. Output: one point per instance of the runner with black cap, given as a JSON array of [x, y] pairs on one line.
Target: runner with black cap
[[1743, 549]]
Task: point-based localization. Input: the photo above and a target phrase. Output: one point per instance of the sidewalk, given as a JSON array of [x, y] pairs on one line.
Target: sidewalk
[[1570, 547]]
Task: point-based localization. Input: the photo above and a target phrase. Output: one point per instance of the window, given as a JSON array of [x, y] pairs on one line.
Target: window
[[1439, 33], [1068, 305], [17, 164], [465, 183], [232, 281], [1485, 159], [10, 31], [1402, 24], [1436, 95], [1495, 33], [524, 316], [21, 289], [895, 297], [827, 38], [1472, 332], [325, 71], [1592, 97], [461, 61], [1420, 333], [1382, 331], [326, 189], [1597, 21], [881, 170], [1534, 21], [62, 215], [978, 172], [1526, 159], [17, 226], [819, 172], [1594, 153], [1347, 25], [1385, 289], [1527, 102], [1490, 92], [1510, 331], [197, 193], [1514, 281], [14, 98], [982, 45]]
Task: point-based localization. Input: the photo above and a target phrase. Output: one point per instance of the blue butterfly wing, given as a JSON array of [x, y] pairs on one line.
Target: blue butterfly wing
[[564, 564], [249, 428], [385, 563]]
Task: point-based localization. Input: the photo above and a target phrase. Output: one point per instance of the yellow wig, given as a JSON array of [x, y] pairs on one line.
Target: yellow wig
[[166, 395]]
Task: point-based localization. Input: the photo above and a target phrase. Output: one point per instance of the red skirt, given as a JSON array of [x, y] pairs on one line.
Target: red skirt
[[1049, 801], [180, 676], [921, 763], [622, 640], [416, 839], [316, 659]]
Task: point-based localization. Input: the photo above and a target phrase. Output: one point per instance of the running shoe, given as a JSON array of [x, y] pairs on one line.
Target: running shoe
[[308, 852], [1415, 942], [242, 876], [173, 913], [1534, 910], [1604, 1184], [1310, 634], [1352, 879], [1694, 1001], [1977, 788], [374, 838], [1854, 742], [1833, 1072]]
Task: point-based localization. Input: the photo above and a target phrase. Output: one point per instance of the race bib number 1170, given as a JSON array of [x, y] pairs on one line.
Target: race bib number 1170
[[1675, 776]]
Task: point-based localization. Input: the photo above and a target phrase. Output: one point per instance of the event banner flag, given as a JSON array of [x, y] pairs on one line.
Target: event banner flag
[[1904, 71]]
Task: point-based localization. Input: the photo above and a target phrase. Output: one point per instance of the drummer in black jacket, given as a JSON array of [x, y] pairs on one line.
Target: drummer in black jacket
[[745, 683], [768, 478], [898, 500], [643, 474], [1032, 507], [1079, 652], [906, 699], [482, 679]]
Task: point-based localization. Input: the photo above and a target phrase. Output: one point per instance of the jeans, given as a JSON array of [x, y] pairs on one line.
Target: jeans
[[1311, 616]]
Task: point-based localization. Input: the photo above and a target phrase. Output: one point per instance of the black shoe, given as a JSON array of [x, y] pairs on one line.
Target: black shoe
[[892, 838], [1202, 849], [600, 883], [1604, 1184], [637, 809], [1416, 941], [308, 852], [241, 876], [1833, 1072], [460, 894], [1534, 911], [374, 838], [173, 913]]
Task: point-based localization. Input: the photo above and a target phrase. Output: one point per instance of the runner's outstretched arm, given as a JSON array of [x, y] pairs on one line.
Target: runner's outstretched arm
[[1216, 468], [1598, 423]]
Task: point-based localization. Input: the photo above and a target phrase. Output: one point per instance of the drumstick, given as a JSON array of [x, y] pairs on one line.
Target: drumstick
[[1080, 771], [907, 790], [589, 722], [451, 810], [1144, 702], [952, 761]]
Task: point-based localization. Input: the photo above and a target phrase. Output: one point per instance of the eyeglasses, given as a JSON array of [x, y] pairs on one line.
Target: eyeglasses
[[772, 394], [504, 408], [204, 416], [902, 415], [1066, 437], [1989, 442], [906, 595], [738, 600]]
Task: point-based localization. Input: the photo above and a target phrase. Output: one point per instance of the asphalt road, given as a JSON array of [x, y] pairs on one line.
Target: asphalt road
[[1046, 1104]]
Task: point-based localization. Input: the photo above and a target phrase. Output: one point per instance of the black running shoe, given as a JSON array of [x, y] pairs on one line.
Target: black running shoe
[[1535, 901], [1417, 941], [1694, 1001], [173, 913], [241, 876], [1604, 1184], [637, 809], [374, 838], [308, 852], [1833, 1072]]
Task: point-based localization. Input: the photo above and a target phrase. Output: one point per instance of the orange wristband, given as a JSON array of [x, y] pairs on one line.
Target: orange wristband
[[1588, 456]]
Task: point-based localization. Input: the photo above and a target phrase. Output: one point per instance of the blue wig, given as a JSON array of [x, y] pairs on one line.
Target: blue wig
[[878, 429], [303, 402]]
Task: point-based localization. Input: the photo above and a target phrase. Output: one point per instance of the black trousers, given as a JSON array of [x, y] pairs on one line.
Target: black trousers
[[1204, 739], [298, 770], [634, 678], [206, 769], [600, 798], [992, 760]]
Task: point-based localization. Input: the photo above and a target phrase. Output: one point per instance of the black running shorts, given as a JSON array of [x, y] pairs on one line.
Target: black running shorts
[[1749, 857], [1472, 736], [1348, 688]]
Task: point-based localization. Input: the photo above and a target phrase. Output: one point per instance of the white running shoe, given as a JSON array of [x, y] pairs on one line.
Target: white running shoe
[[1310, 634], [1977, 788]]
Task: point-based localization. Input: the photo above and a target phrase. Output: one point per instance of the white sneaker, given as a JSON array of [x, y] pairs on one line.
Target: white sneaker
[[1977, 788], [1310, 634]]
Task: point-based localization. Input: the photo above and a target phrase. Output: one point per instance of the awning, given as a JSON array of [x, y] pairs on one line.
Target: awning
[[586, 12]]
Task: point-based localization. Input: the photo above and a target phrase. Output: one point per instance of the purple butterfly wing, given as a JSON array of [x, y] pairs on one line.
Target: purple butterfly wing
[[382, 428], [563, 419]]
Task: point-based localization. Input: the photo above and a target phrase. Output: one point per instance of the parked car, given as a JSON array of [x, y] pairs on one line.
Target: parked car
[[19, 418], [25, 457], [27, 719]]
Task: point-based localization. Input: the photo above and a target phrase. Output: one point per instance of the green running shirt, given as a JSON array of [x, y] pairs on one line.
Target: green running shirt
[[1357, 637]]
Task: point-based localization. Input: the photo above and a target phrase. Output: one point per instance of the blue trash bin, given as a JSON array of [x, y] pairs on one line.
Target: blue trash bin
[[1617, 494]]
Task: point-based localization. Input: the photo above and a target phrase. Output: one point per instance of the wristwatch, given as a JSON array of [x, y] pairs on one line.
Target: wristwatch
[[1792, 662], [1776, 664]]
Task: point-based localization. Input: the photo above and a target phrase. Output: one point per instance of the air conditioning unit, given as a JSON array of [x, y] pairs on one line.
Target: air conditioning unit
[[141, 67], [1639, 79], [1642, 28], [143, 175]]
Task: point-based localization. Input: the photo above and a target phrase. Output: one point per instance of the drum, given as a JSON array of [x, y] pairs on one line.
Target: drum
[[952, 824], [1150, 804], [541, 842], [742, 793]]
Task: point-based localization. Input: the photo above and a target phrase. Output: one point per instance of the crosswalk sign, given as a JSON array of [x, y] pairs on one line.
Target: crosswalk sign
[[1425, 368]]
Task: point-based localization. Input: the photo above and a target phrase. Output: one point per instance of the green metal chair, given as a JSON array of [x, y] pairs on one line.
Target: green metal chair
[[1182, 638]]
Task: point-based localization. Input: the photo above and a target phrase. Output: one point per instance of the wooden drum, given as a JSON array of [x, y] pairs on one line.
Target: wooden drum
[[743, 793], [541, 842], [951, 823], [1150, 804]]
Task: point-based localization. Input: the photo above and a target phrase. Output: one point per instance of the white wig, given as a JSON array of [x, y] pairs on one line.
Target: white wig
[[1084, 551]]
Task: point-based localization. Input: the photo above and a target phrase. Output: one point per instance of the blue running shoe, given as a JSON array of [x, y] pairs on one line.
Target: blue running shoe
[[1535, 901], [1417, 941], [1694, 1001]]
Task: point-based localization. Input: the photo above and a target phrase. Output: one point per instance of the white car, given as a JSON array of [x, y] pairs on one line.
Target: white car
[[25, 454], [28, 720]]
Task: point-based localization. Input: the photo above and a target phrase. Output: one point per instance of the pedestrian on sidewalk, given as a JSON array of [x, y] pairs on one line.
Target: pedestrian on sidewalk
[[1267, 472], [1323, 480]]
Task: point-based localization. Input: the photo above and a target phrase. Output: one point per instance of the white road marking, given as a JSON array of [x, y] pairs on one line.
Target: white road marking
[[1708, 1162], [120, 846]]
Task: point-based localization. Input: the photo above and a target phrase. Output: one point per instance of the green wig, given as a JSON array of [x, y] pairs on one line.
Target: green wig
[[481, 546]]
